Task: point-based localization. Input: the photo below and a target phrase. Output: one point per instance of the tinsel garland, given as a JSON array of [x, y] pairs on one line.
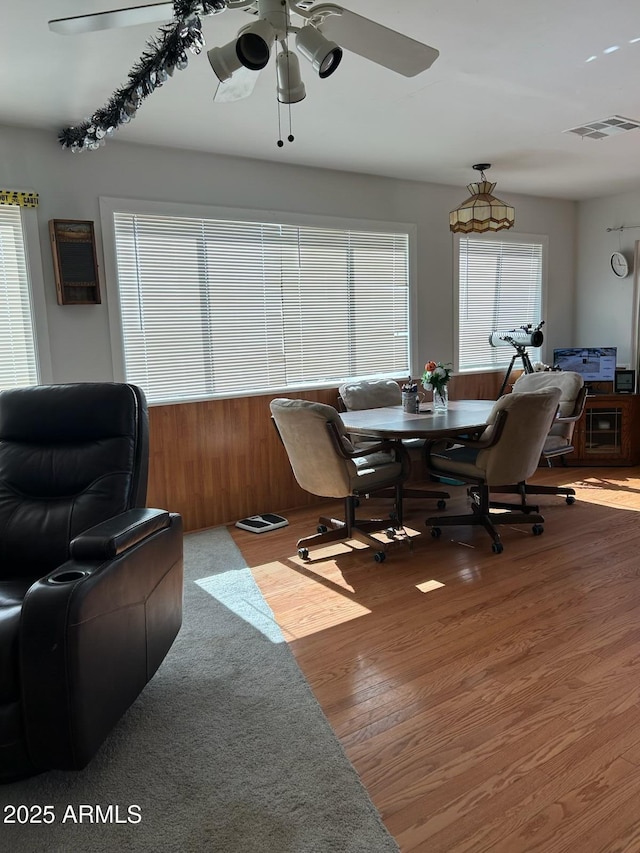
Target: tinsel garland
[[164, 54]]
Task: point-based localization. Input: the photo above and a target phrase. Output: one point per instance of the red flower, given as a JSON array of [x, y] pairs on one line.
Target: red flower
[[430, 365]]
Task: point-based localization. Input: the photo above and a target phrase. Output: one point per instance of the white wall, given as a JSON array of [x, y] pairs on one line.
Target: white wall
[[604, 303], [70, 186]]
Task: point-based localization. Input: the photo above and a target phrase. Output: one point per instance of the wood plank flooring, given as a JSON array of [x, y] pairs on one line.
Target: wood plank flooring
[[488, 702]]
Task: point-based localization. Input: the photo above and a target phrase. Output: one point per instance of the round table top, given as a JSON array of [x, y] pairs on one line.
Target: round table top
[[392, 422]]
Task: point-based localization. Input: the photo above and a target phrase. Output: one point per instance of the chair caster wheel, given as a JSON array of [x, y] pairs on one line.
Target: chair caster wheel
[[441, 504], [390, 532], [321, 528], [435, 532], [303, 553], [570, 499], [379, 556], [497, 548], [537, 529]]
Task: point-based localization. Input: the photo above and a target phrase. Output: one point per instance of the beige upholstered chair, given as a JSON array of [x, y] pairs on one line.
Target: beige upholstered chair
[[558, 443], [370, 394], [326, 464], [507, 451], [374, 394]]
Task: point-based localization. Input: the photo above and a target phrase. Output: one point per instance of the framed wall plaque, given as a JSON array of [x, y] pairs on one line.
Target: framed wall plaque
[[74, 261]]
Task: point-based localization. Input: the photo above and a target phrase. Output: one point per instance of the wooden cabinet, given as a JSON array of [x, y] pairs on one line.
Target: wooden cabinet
[[608, 433]]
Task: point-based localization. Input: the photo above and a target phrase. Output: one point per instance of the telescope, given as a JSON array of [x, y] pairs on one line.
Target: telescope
[[525, 336], [520, 339]]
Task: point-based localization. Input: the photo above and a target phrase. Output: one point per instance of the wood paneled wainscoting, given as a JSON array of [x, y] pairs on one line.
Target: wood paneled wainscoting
[[216, 461]]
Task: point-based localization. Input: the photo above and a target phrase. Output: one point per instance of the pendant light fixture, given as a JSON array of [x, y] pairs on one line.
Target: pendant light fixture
[[481, 211]]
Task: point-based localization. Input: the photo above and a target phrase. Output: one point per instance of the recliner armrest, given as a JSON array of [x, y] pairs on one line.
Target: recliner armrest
[[93, 632], [112, 537]]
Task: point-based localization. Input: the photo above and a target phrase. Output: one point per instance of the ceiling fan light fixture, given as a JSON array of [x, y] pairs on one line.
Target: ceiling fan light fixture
[[482, 211], [290, 86], [224, 61], [324, 55], [254, 43], [326, 29]]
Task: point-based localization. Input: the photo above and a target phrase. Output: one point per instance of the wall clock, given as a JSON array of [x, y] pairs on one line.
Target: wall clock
[[619, 265]]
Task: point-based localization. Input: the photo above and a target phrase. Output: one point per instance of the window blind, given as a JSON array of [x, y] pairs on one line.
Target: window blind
[[18, 364], [212, 308], [500, 288]]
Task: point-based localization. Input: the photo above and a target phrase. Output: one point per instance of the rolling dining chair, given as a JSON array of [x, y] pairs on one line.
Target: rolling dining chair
[[326, 464], [558, 443], [506, 451], [376, 393]]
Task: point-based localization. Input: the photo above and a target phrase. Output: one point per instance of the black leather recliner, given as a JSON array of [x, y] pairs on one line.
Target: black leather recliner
[[90, 580]]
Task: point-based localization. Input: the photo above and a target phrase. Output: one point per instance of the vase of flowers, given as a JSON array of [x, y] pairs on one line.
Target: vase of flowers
[[436, 378]]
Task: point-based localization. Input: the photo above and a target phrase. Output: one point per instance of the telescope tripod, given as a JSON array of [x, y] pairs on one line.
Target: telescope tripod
[[521, 353]]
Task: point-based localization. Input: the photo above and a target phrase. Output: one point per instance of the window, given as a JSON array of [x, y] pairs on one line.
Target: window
[[18, 363], [500, 287], [211, 307]]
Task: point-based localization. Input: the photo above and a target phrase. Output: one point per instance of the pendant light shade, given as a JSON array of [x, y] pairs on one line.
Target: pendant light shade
[[482, 211]]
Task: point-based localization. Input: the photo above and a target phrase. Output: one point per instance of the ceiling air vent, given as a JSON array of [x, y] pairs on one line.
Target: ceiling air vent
[[605, 127]]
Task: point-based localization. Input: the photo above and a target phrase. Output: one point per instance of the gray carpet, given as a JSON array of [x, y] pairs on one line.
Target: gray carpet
[[226, 749]]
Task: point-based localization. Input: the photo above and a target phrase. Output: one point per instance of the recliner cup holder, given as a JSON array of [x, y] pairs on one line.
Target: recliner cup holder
[[67, 577]]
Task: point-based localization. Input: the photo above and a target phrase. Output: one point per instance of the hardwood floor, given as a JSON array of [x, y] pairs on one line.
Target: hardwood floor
[[488, 702]]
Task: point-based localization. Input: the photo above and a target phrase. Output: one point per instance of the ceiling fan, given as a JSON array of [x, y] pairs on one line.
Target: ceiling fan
[[320, 35]]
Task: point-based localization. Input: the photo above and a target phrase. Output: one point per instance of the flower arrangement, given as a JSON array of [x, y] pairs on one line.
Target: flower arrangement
[[436, 376]]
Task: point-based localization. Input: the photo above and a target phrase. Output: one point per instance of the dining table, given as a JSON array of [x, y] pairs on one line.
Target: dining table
[[392, 422]]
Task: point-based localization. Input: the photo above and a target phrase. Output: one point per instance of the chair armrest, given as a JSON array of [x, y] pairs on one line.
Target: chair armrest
[[475, 439], [577, 409], [382, 446], [112, 537]]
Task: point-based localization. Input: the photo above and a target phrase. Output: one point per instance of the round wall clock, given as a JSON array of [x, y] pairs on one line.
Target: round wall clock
[[619, 265]]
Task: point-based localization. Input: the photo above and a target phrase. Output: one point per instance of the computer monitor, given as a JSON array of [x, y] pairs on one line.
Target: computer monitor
[[594, 364]]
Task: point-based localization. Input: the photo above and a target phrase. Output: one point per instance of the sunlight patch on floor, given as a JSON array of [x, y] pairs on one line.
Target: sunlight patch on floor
[[613, 502], [607, 491], [237, 590], [325, 597], [429, 586]]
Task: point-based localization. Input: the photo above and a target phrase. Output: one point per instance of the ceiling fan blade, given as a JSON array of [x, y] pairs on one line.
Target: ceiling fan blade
[[379, 44], [239, 86], [130, 17]]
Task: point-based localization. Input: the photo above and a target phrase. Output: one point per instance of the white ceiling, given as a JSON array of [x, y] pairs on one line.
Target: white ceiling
[[511, 77]]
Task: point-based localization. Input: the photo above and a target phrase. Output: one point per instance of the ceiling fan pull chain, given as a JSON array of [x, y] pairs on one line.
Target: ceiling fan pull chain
[[291, 137], [286, 56], [280, 143]]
